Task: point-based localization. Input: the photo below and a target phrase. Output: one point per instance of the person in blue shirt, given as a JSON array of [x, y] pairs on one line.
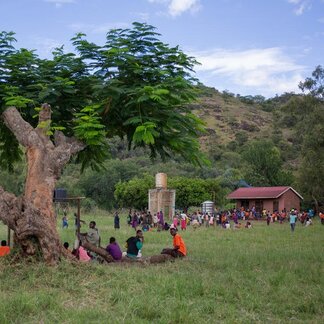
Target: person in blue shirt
[[135, 244], [311, 213], [293, 220]]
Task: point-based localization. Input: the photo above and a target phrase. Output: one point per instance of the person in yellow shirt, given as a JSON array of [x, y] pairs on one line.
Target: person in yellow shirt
[[4, 249], [179, 248]]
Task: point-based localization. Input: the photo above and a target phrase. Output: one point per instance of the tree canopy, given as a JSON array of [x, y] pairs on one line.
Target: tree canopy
[[133, 86], [264, 164], [308, 111]]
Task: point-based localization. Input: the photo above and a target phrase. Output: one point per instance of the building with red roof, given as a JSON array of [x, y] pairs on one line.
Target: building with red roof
[[268, 198]]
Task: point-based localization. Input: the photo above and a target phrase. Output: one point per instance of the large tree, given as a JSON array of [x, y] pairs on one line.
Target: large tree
[[133, 86], [264, 164], [308, 112]]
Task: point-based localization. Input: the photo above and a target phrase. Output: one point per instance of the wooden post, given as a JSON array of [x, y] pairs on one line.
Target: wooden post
[[78, 219], [8, 237]]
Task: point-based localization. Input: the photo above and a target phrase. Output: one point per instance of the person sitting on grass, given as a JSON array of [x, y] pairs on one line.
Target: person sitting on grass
[[179, 248], [248, 225], [321, 216], [237, 226], [114, 250], [4, 249], [81, 254], [92, 236], [134, 245]]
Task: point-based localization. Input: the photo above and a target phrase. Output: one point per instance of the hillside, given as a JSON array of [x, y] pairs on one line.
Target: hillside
[[226, 117], [231, 123]]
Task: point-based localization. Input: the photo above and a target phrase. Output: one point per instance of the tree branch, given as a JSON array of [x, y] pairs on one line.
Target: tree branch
[[10, 208], [66, 147], [23, 131]]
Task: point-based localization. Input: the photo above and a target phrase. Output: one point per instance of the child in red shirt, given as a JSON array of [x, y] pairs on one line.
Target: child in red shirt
[[4, 249]]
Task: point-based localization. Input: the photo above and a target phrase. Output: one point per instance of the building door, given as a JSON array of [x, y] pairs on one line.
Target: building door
[[276, 205], [245, 204], [258, 206]]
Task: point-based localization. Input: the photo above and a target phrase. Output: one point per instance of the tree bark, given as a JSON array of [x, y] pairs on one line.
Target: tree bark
[[31, 217]]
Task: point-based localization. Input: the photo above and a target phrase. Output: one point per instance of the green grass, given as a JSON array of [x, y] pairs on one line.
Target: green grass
[[266, 274]]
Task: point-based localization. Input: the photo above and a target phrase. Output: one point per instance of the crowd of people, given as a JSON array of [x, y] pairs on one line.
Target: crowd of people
[[235, 218], [143, 221]]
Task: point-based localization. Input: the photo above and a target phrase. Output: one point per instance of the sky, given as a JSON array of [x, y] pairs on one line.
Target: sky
[[248, 47]]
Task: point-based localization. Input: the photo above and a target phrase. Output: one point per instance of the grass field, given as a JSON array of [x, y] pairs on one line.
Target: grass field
[[264, 274]]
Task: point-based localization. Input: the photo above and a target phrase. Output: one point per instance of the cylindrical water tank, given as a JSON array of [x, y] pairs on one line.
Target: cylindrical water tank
[[207, 207], [161, 180]]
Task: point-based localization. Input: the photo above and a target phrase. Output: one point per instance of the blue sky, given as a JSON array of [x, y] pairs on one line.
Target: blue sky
[[245, 46]]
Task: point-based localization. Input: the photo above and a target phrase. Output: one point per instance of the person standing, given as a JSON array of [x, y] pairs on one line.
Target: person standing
[[183, 221], [155, 221], [116, 221], [135, 220], [293, 220], [161, 218], [268, 217], [65, 223]]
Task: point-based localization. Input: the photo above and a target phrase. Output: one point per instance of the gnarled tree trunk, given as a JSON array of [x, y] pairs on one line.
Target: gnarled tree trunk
[[31, 217]]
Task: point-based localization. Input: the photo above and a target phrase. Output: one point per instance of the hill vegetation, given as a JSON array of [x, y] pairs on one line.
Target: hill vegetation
[[238, 129], [248, 139]]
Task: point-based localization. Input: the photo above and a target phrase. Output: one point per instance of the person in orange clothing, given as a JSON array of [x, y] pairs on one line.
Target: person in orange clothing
[[321, 215], [4, 249], [179, 248]]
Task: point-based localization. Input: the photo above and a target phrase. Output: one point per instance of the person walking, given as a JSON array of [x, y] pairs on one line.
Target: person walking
[[293, 220]]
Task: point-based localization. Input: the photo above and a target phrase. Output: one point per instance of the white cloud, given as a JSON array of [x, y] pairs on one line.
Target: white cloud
[[97, 29], [142, 16], [267, 71], [45, 46], [59, 3], [300, 6], [177, 7]]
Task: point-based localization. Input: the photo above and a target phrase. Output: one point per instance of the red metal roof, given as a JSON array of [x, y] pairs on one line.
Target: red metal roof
[[260, 193]]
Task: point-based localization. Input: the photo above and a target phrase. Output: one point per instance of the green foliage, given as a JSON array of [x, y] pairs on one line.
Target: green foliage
[[189, 191], [308, 111], [100, 186], [315, 85], [193, 191], [134, 193], [241, 137], [145, 133], [264, 165], [149, 85], [134, 86]]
